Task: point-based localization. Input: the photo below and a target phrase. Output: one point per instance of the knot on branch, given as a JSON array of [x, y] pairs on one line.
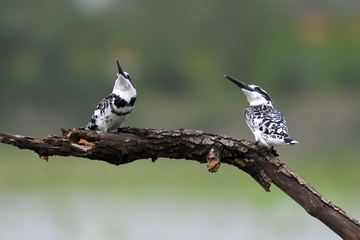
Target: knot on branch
[[213, 160]]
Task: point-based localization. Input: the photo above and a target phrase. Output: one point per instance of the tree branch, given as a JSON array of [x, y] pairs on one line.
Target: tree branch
[[130, 144]]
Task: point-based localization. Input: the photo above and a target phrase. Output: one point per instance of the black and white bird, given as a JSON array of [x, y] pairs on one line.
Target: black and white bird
[[112, 112], [267, 123]]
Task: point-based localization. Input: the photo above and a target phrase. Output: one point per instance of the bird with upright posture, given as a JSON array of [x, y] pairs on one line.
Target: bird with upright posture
[[112, 112], [267, 124]]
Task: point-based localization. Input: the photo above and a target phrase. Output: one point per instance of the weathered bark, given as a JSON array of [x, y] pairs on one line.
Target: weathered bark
[[131, 144]]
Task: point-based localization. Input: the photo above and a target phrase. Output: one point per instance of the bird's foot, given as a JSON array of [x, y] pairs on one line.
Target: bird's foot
[[119, 129], [274, 151]]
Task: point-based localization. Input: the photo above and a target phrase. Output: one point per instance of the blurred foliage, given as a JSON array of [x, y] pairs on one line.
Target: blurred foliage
[[57, 57]]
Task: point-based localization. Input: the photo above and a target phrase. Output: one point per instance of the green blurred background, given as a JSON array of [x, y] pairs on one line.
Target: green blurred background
[[57, 61]]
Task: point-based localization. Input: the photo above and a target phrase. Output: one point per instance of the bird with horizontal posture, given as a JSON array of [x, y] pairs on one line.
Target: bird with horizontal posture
[[112, 112], [267, 124]]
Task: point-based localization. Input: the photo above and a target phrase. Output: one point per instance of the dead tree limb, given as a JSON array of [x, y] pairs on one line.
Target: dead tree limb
[[131, 144]]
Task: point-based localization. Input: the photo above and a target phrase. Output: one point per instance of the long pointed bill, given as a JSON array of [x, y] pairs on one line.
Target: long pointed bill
[[119, 68], [239, 83]]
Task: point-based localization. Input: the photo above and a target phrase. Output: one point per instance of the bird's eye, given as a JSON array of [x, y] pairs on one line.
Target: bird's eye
[[128, 76]]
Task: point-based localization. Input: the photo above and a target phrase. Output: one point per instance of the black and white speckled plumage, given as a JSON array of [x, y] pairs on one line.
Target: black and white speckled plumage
[[267, 123], [112, 112]]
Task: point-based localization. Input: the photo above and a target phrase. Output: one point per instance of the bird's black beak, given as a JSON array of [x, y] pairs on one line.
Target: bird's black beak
[[239, 83], [119, 68]]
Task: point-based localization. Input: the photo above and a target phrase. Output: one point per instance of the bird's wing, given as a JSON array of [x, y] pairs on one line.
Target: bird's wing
[[104, 107], [266, 119], [251, 119], [275, 122]]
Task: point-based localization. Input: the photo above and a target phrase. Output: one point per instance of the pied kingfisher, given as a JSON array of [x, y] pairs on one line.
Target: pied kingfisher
[[113, 110], [267, 124]]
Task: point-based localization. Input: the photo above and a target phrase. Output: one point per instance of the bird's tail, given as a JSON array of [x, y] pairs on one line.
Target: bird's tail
[[291, 141]]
